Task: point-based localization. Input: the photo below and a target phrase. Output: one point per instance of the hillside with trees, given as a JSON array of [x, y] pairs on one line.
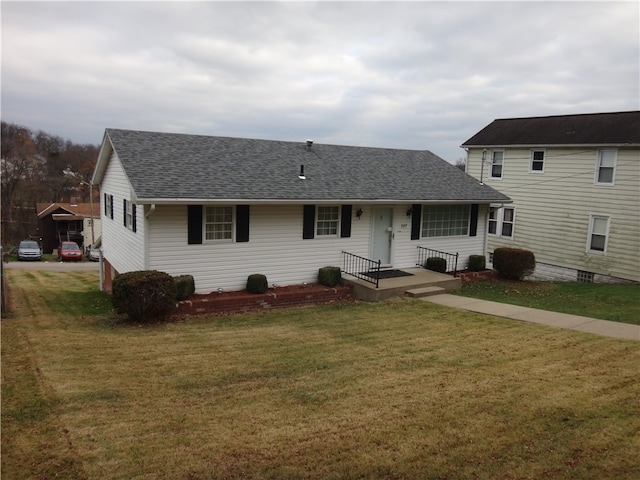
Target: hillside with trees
[[31, 171]]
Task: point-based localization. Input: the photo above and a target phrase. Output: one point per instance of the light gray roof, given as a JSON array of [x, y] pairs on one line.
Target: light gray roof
[[179, 167]]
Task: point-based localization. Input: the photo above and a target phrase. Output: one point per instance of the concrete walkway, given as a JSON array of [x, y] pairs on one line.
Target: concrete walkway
[[543, 317]]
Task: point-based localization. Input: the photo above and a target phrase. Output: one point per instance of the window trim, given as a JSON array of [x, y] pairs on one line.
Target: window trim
[[500, 222], [337, 222], [592, 218], [493, 152], [596, 180], [532, 160], [232, 238]]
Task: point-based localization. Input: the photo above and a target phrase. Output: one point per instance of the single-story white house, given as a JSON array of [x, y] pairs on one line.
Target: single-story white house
[[221, 209]]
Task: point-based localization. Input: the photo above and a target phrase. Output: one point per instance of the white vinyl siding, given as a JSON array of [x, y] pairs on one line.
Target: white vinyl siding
[[123, 248], [553, 211]]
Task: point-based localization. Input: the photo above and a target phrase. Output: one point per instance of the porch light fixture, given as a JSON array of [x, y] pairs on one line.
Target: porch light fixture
[[359, 213], [409, 211]]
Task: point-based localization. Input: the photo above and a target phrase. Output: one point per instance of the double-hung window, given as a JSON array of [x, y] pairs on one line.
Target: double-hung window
[[445, 220], [605, 171], [537, 161], [218, 223], [497, 163], [128, 215], [327, 221], [598, 233], [502, 221]]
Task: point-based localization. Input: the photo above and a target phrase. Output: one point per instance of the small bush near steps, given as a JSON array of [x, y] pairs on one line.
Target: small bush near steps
[[477, 263], [257, 283], [436, 264], [144, 295], [329, 276]]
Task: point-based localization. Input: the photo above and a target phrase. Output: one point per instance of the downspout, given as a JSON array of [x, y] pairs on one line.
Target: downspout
[[484, 154]]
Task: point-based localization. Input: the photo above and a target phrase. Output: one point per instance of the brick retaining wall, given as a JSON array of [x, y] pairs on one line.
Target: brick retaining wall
[[242, 301]]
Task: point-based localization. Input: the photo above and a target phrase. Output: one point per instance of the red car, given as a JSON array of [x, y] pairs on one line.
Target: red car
[[69, 251]]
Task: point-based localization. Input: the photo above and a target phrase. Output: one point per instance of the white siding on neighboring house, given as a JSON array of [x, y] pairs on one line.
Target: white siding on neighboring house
[[121, 247], [554, 207]]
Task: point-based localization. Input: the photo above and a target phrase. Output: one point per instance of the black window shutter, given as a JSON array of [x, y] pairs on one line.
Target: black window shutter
[[133, 217], [473, 227], [345, 221], [242, 223], [111, 207], [124, 212], [106, 210], [194, 222], [308, 221], [416, 220]]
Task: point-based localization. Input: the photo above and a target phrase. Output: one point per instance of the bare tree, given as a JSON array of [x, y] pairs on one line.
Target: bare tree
[[461, 163]]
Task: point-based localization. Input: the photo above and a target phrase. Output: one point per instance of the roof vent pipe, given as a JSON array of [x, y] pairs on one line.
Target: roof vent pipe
[[309, 144], [301, 176]]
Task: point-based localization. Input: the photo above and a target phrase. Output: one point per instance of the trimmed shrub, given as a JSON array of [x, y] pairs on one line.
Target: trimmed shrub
[[437, 264], [144, 295], [185, 287], [329, 276], [513, 263], [257, 283], [477, 263]]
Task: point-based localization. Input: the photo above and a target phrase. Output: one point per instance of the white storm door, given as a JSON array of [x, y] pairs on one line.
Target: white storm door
[[382, 234]]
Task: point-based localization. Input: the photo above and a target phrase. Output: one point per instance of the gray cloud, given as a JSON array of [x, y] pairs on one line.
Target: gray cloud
[[424, 75]]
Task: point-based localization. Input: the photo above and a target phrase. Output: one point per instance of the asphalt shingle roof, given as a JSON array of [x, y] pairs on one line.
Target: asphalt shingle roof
[[193, 167], [620, 128]]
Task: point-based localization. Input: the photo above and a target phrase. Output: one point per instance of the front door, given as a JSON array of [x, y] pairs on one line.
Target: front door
[[382, 234]]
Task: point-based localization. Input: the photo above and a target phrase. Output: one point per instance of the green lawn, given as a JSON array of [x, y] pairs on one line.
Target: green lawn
[[398, 389], [619, 303]]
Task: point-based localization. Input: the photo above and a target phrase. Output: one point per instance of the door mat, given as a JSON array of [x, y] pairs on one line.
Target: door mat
[[382, 274]]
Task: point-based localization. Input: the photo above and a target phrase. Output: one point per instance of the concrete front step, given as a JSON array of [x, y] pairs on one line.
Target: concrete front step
[[425, 291]]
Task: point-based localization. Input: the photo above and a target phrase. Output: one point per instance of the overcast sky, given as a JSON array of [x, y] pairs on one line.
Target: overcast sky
[[418, 75]]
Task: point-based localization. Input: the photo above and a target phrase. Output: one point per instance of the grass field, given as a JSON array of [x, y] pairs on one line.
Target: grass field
[[399, 389], [619, 303]]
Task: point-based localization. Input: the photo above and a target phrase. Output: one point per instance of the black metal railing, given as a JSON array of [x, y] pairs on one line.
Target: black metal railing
[[361, 267], [450, 258]]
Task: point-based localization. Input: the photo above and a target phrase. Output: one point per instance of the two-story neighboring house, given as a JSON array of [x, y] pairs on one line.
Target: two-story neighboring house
[[575, 185]]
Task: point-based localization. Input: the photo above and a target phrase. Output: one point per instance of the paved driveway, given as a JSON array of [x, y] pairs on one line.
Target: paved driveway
[[52, 266]]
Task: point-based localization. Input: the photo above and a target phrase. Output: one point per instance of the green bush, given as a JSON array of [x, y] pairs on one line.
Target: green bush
[[477, 263], [329, 276], [513, 263], [185, 287], [437, 264], [257, 283], [144, 295]]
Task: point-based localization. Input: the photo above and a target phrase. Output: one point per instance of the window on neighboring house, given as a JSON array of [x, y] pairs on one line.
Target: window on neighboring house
[[598, 232], [606, 166], [493, 220], [497, 163], [501, 221], [218, 223], [537, 161], [508, 221], [327, 221], [445, 220]]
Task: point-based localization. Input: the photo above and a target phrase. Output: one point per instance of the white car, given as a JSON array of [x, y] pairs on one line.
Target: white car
[[93, 254], [29, 250]]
